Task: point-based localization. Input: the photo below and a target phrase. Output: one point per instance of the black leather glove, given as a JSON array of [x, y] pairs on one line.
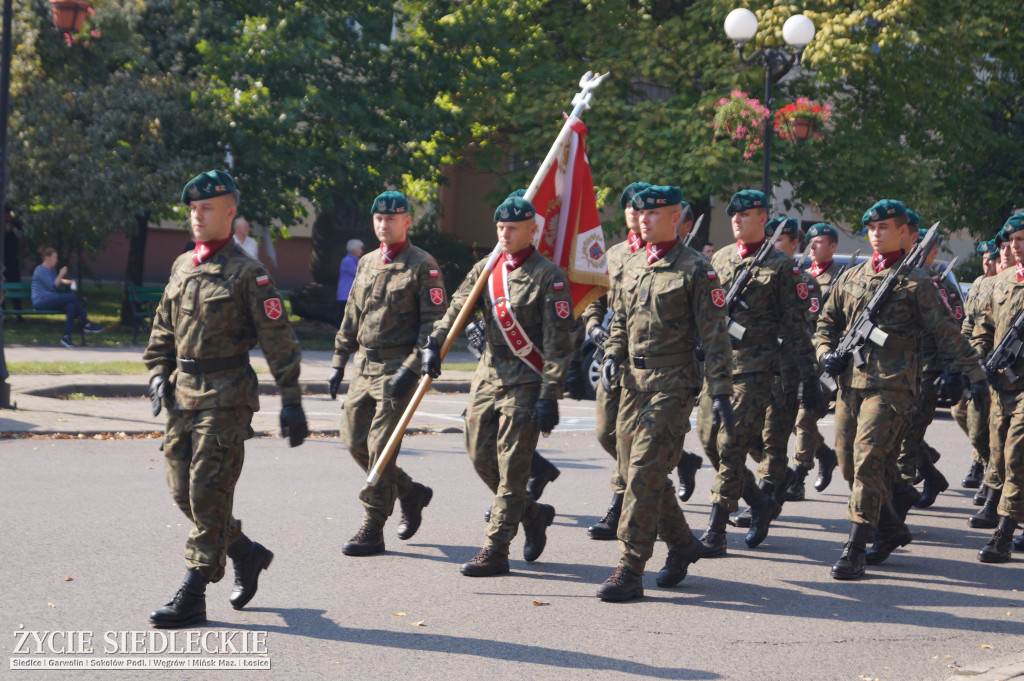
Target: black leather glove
[[401, 383], [810, 395], [721, 413], [545, 414], [834, 364], [981, 395], [431, 356], [157, 390], [609, 370], [598, 334], [951, 386], [334, 381], [293, 424]]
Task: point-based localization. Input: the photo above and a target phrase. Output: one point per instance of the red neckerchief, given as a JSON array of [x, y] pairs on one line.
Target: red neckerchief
[[656, 252], [513, 261], [205, 249], [746, 250], [1020, 272], [817, 269], [389, 253], [635, 242], [882, 261]]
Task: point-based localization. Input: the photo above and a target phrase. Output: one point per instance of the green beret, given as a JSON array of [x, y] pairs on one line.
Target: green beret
[[745, 200], [821, 229], [657, 196], [390, 203], [994, 255], [998, 239], [987, 247], [913, 219], [207, 185], [630, 191], [1014, 224], [514, 209], [883, 210], [517, 194], [790, 227]]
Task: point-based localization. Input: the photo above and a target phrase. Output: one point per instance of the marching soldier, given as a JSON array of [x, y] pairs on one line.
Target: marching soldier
[[607, 399], [772, 311], [517, 384], [218, 304], [821, 240], [689, 462], [397, 295], [876, 398], [667, 302]]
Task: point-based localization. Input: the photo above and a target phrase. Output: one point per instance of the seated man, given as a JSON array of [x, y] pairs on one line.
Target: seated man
[[45, 281]]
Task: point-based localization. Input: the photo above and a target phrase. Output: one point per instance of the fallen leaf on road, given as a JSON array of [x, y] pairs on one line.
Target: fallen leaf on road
[[50, 605], [398, 614], [419, 624], [765, 598], [985, 646], [540, 603], [69, 579]]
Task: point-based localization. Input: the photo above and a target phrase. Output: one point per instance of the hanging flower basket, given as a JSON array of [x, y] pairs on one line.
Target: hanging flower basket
[[741, 118], [69, 15], [801, 119]]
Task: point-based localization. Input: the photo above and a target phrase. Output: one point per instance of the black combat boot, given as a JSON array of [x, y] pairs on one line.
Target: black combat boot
[[795, 491], [827, 462], [852, 563], [687, 470], [979, 497], [1000, 546], [188, 606], [975, 476], [988, 517], [742, 518], [608, 526], [779, 494], [677, 561], [485, 564], [763, 510], [412, 510], [769, 490], [714, 539], [542, 472], [536, 532], [1018, 543], [366, 542], [249, 558], [932, 456], [623, 585], [934, 483], [904, 496], [892, 534]]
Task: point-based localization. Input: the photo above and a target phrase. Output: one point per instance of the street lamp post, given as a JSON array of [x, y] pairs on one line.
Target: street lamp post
[[798, 31]]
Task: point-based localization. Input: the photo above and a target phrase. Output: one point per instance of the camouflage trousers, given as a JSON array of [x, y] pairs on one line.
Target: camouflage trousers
[[1006, 463], [779, 422], [959, 413], [869, 429], [607, 403], [500, 439], [367, 421], [808, 438], [976, 427], [751, 394], [203, 455], [912, 450], [651, 427]]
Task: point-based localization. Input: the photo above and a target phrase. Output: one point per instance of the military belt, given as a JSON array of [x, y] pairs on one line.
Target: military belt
[[206, 366], [381, 354], [662, 361]]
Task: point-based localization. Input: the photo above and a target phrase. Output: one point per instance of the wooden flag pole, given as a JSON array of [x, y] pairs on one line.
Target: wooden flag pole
[[580, 101]]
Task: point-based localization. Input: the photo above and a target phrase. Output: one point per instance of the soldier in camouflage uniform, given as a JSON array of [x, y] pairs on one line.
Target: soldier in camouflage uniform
[[774, 313], [821, 240], [397, 295], [511, 401], [999, 312], [607, 400], [218, 304], [667, 302], [876, 399]]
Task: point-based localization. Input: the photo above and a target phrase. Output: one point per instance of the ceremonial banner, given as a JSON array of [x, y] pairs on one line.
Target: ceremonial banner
[[570, 232]]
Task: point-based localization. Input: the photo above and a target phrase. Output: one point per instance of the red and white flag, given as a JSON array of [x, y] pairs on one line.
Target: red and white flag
[[570, 232]]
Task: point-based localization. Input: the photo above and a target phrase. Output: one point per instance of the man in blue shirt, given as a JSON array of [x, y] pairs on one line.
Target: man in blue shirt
[[45, 296]]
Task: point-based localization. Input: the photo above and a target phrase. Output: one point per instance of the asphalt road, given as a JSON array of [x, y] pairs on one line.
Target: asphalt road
[[98, 512]]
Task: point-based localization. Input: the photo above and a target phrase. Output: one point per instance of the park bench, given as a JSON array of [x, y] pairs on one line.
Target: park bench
[[143, 301], [23, 291]]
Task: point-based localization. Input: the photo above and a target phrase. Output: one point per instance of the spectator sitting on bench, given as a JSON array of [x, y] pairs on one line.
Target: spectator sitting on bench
[[45, 281]]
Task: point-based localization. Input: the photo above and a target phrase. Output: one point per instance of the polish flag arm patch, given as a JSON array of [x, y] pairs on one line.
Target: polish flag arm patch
[[263, 280], [435, 273], [558, 285]]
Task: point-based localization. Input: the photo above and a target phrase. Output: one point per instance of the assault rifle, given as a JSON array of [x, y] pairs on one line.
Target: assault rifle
[[863, 328], [849, 263], [734, 298], [1009, 349], [693, 232]]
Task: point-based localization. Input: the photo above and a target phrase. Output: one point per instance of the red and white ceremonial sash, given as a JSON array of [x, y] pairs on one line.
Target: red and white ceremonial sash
[[513, 332]]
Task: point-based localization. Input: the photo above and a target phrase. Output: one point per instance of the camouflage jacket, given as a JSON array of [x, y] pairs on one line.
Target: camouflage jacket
[[391, 309], [595, 313], [933, 360], [662, 312], [975, 300], [221, 309], [776, 312], [997, 313], [827, 277], [912, 310], [543, 307]]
